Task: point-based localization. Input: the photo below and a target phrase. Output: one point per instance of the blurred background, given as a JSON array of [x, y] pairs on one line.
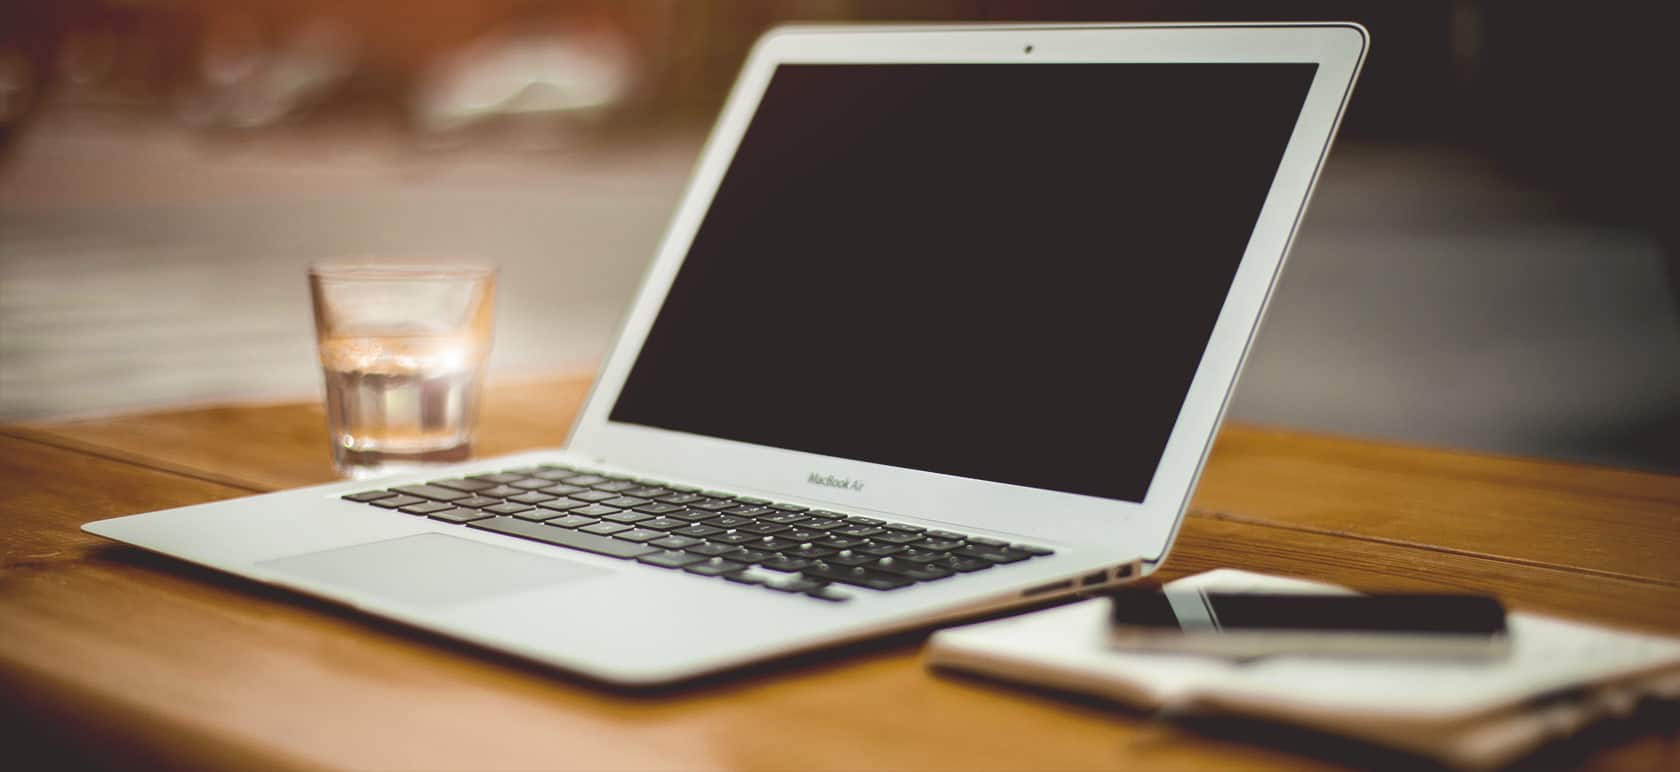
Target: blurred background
[[1489, 262]]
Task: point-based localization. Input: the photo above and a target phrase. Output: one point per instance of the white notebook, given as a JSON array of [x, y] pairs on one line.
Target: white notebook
[[1559, 677]]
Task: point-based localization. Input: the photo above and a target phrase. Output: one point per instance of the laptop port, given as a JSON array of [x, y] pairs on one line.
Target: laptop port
[[1092, 579]]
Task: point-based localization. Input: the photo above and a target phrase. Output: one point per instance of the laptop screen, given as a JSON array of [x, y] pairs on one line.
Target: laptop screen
[[1005, 272]]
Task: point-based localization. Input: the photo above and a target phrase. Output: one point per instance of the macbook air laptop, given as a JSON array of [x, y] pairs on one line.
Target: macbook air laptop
[[945, 322]]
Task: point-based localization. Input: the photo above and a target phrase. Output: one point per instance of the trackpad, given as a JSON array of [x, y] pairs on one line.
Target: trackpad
[[430, 569]]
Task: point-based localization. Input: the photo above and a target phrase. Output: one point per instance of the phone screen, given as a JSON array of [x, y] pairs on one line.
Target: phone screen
[[1192, 611]]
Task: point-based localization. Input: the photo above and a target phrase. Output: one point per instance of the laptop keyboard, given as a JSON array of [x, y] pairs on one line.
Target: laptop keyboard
[[752, 542]]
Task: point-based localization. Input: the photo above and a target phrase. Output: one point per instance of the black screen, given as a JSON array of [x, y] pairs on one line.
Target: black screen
[[1001, 272]]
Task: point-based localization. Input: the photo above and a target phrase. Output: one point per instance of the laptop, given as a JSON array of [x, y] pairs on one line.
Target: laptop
[[945, 322]]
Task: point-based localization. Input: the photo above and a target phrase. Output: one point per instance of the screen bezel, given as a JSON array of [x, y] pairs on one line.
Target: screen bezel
[[1132, 530]]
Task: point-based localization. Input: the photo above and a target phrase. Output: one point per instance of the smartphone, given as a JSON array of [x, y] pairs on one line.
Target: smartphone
[[1247, 625]]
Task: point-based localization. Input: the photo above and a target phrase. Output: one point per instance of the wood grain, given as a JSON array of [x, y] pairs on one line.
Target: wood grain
[[1610, 521], [166, 664]]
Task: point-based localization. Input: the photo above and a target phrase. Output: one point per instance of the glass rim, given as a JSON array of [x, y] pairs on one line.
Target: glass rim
[[402, 269]]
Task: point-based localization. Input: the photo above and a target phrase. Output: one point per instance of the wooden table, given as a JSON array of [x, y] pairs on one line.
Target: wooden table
[[110, 655]]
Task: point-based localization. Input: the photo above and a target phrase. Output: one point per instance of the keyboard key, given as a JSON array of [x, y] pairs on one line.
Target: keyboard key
[[458, 515], [564, 505], [658, 508], [396, 502], [585, 480], [745, 577], [463, 484], [682, 499], [712, 550], [531, 498], [628, 517], [906, 528], [771, 544], [476, 502], [857, 577], [648, 492], [572, 521], [596, 496], [803, 534], [714, 567], [840, 542], [508, 508], [691, 515], [897, 537], [662, 524], [605, 529], [675, 542], [731, 521], [669, 559], [677, 488], [849, 558], [432, 492], [763, 529], [821, 523], [501, 491], [828, 593], [939, 545], [718, 495], [861, 520], [987, 542], [947, 535], [712, 505], [924, 556], [562, 490], [625, 502], [595, 510], [790, 507], [859, 530], [367, 496], [783, 518], [561, 537], [914, 571], [797, 585], [616, 486], [882, 550], [639, 534], [786, 564], [809, 552], [752, 501], [734, 537], [744, 555], [992, 554], [748, 511], [1032, 550], [554, 475], [531, 483], [426, 508], [960, 563], [698, 531]]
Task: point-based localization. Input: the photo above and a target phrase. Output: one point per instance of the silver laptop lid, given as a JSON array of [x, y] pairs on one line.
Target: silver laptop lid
[[965, 285]]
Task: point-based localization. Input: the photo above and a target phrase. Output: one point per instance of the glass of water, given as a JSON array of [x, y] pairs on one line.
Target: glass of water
[[403, 347]]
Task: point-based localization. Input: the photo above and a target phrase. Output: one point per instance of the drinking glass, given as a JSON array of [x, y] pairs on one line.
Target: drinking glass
[[403, 346]]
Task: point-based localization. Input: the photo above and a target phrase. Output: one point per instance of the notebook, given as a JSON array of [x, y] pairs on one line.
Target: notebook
[[1560, 676]]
